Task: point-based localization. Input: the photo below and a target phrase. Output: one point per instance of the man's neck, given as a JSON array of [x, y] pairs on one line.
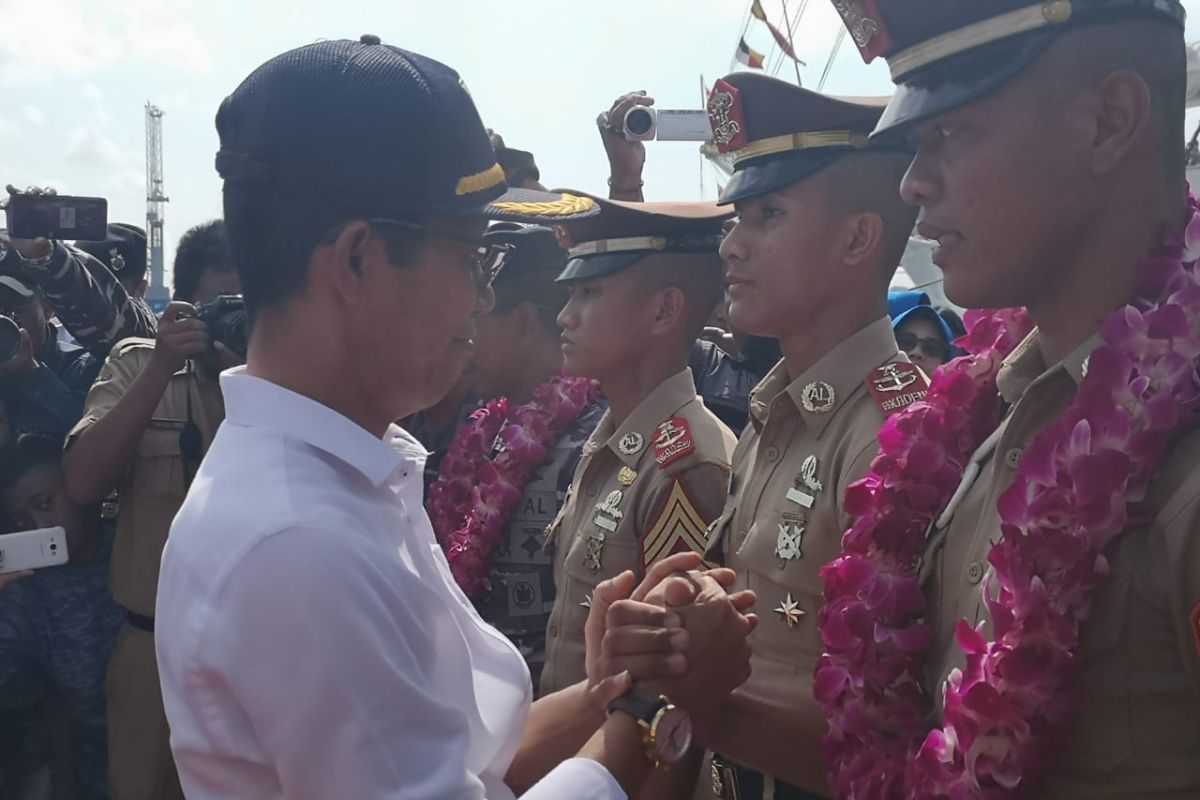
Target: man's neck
[[835, 323], [625, 392], [1104, 267]]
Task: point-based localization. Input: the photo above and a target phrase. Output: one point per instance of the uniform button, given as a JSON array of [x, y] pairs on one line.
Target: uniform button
[[593, 490], [975, 572], [554, 629], [1013, 457], [772, 455]]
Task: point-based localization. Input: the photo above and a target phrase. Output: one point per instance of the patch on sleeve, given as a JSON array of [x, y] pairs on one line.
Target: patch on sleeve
[[672, 442], [897, 386], [1196, 628], [679, 527]]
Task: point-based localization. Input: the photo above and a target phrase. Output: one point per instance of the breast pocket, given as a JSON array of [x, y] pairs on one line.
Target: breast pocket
[[159, 468]]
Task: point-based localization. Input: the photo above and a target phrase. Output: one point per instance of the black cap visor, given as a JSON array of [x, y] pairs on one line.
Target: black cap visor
[[772, 173], [599, 265], [958, 80]]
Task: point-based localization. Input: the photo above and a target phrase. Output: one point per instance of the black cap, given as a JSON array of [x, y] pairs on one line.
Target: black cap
[[625, 232], [123, 251], [373, 127], [779, 133], [14, 277], [944, 53], [535, 251]]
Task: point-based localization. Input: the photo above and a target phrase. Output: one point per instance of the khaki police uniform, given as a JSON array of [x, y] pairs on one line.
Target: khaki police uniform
[[151, 492], [809, 438], [642, 491], [1136, 730]]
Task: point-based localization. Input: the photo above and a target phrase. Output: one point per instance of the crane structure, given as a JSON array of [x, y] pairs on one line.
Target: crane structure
[[157, 296]]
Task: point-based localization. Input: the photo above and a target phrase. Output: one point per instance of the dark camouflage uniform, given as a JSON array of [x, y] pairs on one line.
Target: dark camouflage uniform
[[522, 574], [90, 302]]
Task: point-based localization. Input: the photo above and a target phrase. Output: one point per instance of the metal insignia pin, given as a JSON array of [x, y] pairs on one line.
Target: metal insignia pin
[[790, 540], [789, 611], [631, 444], [818, 397], [807, 479], [626, 476]]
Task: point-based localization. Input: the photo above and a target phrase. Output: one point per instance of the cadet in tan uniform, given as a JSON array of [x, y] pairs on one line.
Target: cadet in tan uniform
[[820, 233], [1050, 159], [147, 423], [643, 280]]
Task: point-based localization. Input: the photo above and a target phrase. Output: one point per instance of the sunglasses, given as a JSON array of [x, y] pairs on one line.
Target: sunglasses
[[933, 348], [487, 261]]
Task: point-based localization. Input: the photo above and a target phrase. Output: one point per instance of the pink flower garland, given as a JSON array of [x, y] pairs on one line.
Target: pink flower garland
[[475, 492], [1069, 501]]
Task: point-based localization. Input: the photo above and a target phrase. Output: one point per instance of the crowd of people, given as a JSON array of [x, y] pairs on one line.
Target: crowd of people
[[432, 483]]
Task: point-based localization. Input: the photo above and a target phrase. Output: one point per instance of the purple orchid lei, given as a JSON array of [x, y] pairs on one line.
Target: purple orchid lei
[[484, 473], [1069, 501]]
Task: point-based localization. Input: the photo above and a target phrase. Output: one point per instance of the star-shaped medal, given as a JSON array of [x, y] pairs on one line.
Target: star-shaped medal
[[790, 611]]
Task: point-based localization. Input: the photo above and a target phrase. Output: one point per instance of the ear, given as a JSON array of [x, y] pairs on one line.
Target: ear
[[339, 267], [669, 307], [1122, 115], [862, 238]]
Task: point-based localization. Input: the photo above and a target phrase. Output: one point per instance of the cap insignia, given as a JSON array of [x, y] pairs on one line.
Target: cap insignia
[[480, 181], [726, 118], [865, 26], [116, 260], [566, 206]]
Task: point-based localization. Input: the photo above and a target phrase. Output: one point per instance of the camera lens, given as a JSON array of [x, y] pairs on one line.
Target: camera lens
[[53, 547], [10, 338], [639, 121]]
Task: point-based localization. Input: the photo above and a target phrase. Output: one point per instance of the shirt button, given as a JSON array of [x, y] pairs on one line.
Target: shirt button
[[592, 490], [975, 572], [772, 455], [1013, 457]]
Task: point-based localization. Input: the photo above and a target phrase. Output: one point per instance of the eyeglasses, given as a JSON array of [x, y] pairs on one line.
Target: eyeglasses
[[933, 348], [487, 261]]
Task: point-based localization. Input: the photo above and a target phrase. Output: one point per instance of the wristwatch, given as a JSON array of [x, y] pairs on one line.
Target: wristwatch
[[666, 728]]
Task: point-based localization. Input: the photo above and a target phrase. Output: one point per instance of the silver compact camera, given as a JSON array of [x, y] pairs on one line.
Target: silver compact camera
[[645, 123]]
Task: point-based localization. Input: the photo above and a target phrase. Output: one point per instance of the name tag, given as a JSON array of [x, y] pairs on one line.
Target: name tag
[[167, 424], [606, 523], [802, 499]]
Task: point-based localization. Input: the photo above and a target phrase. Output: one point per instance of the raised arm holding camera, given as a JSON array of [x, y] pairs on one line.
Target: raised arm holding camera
[[148, 421]]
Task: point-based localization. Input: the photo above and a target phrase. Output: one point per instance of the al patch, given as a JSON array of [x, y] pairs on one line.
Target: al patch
[[672, 442], [897, 386]]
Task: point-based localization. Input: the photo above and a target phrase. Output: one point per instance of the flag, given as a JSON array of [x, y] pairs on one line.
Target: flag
[[748, 55], [756, 11]]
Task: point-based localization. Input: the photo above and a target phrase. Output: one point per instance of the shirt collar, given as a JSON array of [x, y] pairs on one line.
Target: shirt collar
[[844, 368], [660, 405], [258, 403], [1024, 368]]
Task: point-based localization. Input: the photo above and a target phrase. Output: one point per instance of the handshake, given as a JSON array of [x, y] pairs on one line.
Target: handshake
[[678, 633]]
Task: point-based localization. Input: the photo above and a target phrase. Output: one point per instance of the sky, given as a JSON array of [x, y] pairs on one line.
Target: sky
[[76, 75]]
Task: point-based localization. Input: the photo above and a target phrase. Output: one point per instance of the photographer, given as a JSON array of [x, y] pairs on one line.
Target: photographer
[[86, 288], [148, 422], [43, 381]]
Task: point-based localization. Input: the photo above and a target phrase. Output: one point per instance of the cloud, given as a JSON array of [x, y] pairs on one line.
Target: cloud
[[86, 37], [34, 115], [89, 147]]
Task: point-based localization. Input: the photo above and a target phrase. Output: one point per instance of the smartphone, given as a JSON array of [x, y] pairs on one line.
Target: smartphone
[[45, 547], [57, 216]]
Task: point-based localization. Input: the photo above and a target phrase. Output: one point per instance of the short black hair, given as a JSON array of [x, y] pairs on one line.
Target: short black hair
[[29, 452], [201, 248], [272, 235]]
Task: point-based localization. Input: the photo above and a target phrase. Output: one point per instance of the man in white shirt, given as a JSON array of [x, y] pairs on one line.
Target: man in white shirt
[[311, 641]]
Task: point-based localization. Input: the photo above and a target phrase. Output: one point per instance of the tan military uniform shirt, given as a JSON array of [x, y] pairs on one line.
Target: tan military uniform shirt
[[1136, 733], [153, 489], [809, 438], [642, 491]]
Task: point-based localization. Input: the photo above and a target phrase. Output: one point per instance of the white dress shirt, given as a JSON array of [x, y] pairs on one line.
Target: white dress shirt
[[311, 640]]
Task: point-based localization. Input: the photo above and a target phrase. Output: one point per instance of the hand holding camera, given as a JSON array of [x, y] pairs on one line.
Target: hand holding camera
[[626, 157], [180, 336]]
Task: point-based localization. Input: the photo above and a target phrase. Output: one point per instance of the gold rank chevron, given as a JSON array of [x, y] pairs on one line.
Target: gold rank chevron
[[678, 521], [565, 206], [492, 176]]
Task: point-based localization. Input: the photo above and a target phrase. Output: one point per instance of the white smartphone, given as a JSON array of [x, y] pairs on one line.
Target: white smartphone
[[45, 547]]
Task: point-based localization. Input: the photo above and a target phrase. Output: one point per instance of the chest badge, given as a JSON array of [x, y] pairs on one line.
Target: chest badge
[[631, 444], [789, 543], [789, 611], [626, 476], [818, 397], [608, 517], [807, 485]]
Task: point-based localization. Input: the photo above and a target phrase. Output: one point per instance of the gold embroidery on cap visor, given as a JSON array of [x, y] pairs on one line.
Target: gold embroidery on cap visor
[[799, 141], [480, 181], [565, 206], [1023, 20]]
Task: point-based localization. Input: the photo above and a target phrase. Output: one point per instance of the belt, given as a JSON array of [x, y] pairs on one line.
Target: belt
[[138, 621], [733, 782]]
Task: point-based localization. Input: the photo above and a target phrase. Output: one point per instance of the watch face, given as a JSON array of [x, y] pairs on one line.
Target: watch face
[[672, 734]]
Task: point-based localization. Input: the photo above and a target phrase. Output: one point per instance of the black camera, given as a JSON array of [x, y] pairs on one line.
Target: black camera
[[225, 316], [10, 339]]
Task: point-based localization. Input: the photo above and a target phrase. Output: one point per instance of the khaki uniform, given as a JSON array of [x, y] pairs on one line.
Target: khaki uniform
[[641, 492], [151, 492], [809, 438], [1136, 731]]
